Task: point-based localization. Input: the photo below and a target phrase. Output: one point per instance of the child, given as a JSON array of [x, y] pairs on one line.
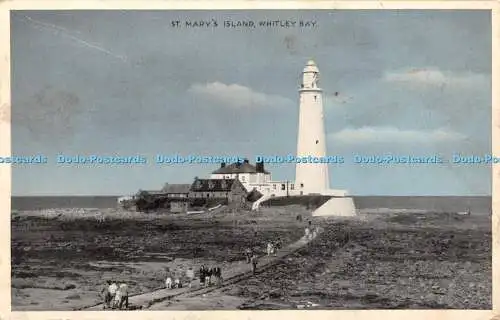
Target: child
[[269, 248], [168, 283]]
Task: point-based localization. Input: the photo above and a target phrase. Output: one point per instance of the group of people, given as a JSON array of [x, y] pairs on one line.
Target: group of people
[[115, 296], [273, 247], [175, 282], [251, 258], [172, 284], [208, 276], [311, 232]]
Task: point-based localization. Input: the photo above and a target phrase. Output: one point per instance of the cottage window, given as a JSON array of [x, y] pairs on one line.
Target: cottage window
[[243, 178], [211, 185], [274, 187], [283, 186], [223, 184], [292, 186], [302, 185]]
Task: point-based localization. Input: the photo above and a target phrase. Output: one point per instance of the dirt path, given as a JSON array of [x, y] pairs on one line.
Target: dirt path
[[238, 271]]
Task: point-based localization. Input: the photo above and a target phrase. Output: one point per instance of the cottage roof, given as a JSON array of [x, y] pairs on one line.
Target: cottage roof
[[154, 192], [213, 185], [176, 188], [238, 168]]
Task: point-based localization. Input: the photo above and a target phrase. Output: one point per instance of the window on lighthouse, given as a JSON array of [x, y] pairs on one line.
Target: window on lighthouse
[[315, 97]]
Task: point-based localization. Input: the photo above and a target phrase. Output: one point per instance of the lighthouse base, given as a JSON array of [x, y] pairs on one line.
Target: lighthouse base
[[337, 206]]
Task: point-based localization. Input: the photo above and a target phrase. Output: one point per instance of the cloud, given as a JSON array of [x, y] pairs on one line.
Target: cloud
[[435, 77], [237, 96], [394, 135]]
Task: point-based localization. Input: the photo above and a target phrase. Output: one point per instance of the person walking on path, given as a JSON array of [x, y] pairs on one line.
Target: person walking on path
[[311, 231], [112, 289], [278, 244], [190, 276], [218, 276], [254, 263], [202, 276], [208, 277], [168, 282], [117, 299], [315, 232], [107, 295], [177, 283], [275, 247], [248, 254], [124, 295], [269, 248]]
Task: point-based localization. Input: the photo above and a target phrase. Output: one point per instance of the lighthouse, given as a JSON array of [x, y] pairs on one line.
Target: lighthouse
[[311, 177]]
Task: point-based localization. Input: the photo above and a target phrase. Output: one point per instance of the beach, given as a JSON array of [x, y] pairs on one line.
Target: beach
[[380, 259]]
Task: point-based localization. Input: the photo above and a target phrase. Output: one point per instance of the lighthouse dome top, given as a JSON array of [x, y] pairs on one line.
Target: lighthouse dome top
[[311, 66]]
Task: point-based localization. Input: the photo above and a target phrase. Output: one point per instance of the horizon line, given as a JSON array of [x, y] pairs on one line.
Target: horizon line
[[348, 196]]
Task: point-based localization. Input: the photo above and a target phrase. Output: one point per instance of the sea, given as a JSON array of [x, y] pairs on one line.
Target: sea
[[480, 204]]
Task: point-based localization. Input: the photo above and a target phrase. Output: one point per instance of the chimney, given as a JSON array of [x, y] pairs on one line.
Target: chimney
[[246, 161], [222, 165], [260, 167]]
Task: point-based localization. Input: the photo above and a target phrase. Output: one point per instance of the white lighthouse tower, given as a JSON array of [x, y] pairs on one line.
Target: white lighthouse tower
[[311, 177]]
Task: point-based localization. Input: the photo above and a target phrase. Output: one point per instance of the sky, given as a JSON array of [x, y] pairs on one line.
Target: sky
[[130, 83]]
